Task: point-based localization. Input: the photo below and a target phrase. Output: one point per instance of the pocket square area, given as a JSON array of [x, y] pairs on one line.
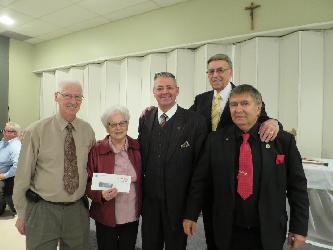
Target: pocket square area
[[279, 159], [185, 145]]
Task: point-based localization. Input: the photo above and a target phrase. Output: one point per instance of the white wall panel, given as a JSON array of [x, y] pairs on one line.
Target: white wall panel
[[268, 73], [130, 90], [327, 149], [48, 88], [289, 81], [94, 80], [180, 62], [247, 64], [311, 93], [151, 64]]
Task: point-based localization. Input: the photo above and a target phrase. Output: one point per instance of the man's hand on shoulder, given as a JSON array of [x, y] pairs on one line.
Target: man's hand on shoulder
[[190, 227], [295, 241], [269, 130], [146, 110]]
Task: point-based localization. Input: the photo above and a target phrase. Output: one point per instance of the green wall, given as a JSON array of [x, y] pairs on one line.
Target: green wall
[[189, 22], [193, 21], [23, 84]]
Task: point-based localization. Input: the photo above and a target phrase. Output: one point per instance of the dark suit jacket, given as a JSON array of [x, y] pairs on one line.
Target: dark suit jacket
[[187, 138], [203, 105], [278, 182]]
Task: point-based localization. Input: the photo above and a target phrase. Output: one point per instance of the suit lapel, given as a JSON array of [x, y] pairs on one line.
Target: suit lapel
[[228, 157], [149, 124], [268, 152], [177, 131], [207, 109]]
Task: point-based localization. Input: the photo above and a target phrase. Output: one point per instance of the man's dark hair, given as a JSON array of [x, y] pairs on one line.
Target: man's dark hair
[[247, 89], [164, 74]]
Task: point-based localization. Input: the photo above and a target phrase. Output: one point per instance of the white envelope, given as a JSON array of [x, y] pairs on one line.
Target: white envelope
[[103, 181]]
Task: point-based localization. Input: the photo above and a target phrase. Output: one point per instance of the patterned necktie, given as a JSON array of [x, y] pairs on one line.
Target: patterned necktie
[[163, 119], [71, 175], [216, 107], [245, 173]]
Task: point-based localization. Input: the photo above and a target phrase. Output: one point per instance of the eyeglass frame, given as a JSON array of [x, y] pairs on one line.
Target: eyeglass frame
[[218, 71], [69, 97], [8, 131], [121, 124]]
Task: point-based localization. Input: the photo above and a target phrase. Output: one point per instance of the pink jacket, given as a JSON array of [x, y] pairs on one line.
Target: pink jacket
[[101, 160]]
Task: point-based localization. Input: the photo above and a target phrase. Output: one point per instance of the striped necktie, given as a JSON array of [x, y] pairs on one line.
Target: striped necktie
[[216, 111], [163, 119]]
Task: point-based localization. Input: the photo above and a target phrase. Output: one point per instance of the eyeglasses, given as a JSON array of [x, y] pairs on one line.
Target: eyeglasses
[[69, 97], [218, 71], [121, 124]]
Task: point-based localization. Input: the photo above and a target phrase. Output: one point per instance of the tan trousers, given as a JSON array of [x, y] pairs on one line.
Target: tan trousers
[[47, 224]]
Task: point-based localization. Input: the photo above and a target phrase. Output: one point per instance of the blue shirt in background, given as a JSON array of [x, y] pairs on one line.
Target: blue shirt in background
[[9, 154]]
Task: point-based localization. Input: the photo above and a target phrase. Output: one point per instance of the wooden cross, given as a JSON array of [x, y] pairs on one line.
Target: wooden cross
[[251, 8]]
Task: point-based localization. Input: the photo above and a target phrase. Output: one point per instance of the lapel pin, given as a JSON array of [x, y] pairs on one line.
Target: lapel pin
[[268, 146], [227, 139]]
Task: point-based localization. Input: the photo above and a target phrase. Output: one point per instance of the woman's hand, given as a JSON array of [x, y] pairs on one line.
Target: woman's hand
[[109, 194]]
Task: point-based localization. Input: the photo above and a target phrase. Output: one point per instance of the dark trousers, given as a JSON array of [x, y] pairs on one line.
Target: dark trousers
[[207, 217], [157, 230], [120, 237], [6, 193], [246, 239]]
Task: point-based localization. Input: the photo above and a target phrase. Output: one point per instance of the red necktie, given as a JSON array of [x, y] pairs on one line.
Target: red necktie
[[245, 173]]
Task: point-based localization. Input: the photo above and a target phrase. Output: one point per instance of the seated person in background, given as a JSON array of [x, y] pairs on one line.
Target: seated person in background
[[251, 180], [10, 147], [116, 214]]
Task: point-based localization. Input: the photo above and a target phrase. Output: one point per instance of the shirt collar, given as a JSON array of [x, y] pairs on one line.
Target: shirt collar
[[115, 150], [225, 92], [63, 123], [253, 131], [169, 113]]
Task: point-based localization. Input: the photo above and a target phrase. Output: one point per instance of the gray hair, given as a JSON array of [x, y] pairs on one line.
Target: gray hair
[[15, 126], [117, 109], [65, 82], [220, 57], [247, 89], [165, 74]]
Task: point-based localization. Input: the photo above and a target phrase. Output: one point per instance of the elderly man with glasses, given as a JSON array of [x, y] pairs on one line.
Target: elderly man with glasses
[[50, 183], [10, 147]]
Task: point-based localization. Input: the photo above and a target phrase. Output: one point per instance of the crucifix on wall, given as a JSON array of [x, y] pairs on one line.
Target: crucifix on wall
[[251, 8]]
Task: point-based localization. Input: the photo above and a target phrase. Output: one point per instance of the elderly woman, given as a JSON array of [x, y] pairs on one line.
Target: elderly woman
[[116, 214]]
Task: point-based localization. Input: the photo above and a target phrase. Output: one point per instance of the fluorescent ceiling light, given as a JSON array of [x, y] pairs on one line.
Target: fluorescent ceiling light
[[6, 20]]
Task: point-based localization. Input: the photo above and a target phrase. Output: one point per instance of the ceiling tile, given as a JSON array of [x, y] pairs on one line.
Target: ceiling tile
[[164, 3], [18, 17], [68, 16], [107, 6], [131, 11], [38, 8], [6, 2], [36, 28], [88, 23], [54, 34]]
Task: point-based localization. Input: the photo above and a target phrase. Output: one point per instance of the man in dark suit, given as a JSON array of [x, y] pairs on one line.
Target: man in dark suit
[[213, 105], [171, 139], [251, 181]]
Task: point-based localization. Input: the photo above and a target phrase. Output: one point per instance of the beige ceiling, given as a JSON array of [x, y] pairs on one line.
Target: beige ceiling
[[47, 19]]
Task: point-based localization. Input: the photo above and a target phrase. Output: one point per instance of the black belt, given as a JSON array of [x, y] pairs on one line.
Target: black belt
[[34, 197]]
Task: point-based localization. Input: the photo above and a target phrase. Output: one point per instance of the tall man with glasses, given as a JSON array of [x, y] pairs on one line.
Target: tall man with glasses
[[51, 176], [10, 147], [171, 139], [213, 105]]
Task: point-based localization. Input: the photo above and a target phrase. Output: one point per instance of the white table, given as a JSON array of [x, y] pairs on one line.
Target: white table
[[320, 190]]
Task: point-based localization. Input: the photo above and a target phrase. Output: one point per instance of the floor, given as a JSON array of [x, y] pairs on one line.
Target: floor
[[12, 240]]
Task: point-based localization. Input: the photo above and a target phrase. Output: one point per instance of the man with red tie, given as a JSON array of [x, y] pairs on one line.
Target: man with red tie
[[251, 181]]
